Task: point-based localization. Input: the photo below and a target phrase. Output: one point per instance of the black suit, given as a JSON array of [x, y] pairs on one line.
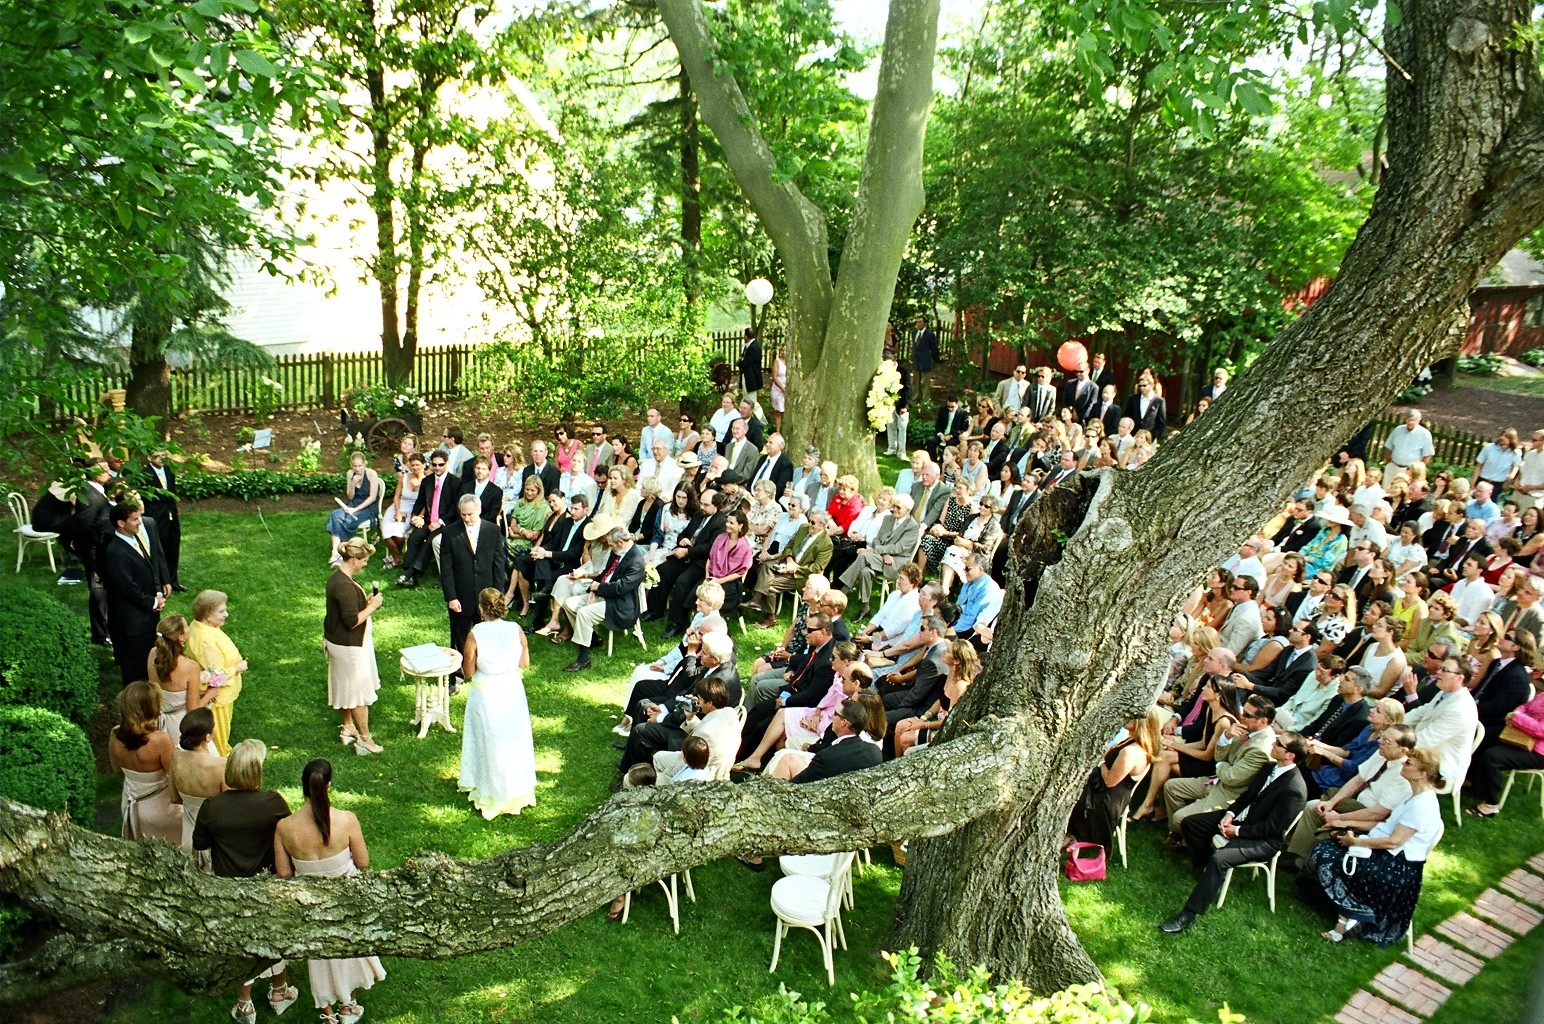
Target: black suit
[[620, 589], [750, 366], [1156, 419], [780, 473], [132, 581], [1294, 535], [1268, 811], [1462, 548], [928, 685], [1082, 395], [852, 754], [1280, 680], [420, 547], [548, 475], [1503, 689], [1411, 511], [811, 680], [649, 738], [89, 526], [491, 499], [464, 574], [161, 505], [1339, 724], [1109, 414], [951, 425]]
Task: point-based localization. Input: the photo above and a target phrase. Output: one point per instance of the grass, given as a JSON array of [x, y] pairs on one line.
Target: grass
[[1271, 968], [1530, 385]]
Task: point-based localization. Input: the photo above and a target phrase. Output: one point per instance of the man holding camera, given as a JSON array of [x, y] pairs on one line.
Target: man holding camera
[[710, 707]]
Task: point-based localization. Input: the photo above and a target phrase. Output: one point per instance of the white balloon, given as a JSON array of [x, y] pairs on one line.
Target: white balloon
[[759, 291]]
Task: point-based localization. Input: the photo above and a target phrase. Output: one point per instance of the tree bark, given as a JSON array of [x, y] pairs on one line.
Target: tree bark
[[836, 329], [383, 206], [149, 389], [1466, 181], [691, 191]]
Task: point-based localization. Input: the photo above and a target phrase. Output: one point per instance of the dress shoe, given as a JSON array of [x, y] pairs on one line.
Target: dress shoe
[[754, 865], [752, 606], [770, 622], [619, 745], [651, 617], [178, 588], [576, 666], [671, 632], [1178, 923]]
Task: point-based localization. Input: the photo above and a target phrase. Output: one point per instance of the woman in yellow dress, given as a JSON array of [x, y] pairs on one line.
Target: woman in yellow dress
[[217, 656]]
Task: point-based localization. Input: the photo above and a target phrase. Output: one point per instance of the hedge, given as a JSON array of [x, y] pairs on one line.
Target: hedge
[[46, 659], [46, 761], [247, 484]]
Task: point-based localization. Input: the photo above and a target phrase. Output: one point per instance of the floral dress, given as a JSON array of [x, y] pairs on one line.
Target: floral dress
[[954, 517]]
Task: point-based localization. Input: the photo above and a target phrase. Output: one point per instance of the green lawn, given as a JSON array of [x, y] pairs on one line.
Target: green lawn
[[1529, 385], [1275, 968]]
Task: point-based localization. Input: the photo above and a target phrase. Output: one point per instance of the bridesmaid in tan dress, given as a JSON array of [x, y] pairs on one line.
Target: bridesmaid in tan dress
[[319, 841], [143, 754]]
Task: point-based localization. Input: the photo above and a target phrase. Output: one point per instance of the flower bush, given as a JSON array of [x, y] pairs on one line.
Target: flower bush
[[267, 396], [883, 392], [380, 401], [309, 458]]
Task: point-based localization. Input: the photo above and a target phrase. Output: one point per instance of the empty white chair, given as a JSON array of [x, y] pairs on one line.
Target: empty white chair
[[1268, 866], [815, 904], [1536, 776], [672, 899], [819, 865], [25, 534]]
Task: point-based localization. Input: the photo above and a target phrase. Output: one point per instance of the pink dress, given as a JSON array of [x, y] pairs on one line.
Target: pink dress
[[566, 453], [779, 384]]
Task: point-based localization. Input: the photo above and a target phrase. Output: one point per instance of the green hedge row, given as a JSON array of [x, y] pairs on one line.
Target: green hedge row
[[46, 761], [248, 484], [46, 659]]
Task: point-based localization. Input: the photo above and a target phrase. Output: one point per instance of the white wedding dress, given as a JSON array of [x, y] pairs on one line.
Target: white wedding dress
[[498, 753]]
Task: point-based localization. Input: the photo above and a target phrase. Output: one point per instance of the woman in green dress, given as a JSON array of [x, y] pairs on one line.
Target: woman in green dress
[[525, 524]]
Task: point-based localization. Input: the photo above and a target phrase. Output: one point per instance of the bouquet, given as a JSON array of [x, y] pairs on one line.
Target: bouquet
[[212, 678], [882, 394]]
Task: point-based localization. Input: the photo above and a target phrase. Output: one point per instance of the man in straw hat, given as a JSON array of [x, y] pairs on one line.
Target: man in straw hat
[[611, 596]]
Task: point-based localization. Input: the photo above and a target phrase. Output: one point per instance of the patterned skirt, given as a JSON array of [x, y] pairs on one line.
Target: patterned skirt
[[1380, 892]]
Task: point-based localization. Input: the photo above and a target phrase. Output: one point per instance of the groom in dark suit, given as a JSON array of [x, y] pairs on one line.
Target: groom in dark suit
[[472, 558], [1252, 829], [132, 578]]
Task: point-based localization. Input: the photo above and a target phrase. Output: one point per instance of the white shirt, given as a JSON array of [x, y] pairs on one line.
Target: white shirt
[[720, 422], [1390, 788], [1251, 567], [1406, 446], [1422, 812], [896, 615], [1473, 598]]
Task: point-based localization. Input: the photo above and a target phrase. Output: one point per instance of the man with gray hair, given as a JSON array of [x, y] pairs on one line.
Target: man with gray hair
[[893, 544], [610, 597], [808, 552], [1407, 444], [472, 558]]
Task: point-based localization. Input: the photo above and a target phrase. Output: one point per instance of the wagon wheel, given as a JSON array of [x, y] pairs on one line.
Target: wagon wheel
[[386, 435]]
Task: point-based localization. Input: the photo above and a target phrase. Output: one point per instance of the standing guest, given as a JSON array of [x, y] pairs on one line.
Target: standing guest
[[320, 841], [197, 774], [779, 386], [1529, 487], [458, 453], [924, 353], [498, 753], [363, 487], [133, 584], [1375, 894], [158, 486], [217, 655], [394, 521], [348, 640], [472, 558], [1146, 409], [1107, 793], [237, 828], [750, 365], [654, 432], [142, 754], [1408, 444], [1012, 392], [175, 674], [1499, 461]]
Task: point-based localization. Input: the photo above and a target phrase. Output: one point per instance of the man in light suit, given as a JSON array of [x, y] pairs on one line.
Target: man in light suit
[[1242, 627], [1012, 392], [739, 450], [1247, 749], [472, 558], [1446, 724], [808, 551], [598, 453], [882, 557], [135, 594], [928, 496], [611, 597], [1253, 827]]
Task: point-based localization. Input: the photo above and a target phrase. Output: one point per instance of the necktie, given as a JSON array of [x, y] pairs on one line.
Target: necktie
[[1333, 719], [765, 470], [434, 506], [471, 538], [616, 560], [594, 460], [143, 553]]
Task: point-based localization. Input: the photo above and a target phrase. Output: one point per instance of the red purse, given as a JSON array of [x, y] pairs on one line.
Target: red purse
[[1085, 863]]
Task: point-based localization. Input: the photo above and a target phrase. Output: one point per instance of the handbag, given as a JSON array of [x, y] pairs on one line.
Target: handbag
[[1515, 737], [1085, 863]]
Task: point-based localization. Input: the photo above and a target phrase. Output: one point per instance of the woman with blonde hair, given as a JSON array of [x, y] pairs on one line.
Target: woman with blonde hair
[[621, 497], [222, 664], [1107, 793], [1191, 750], [364, 489], [1200, 640], [394, 521], [142, 754], [1488, 630], [964, 665], [175, 674], [348, 640]]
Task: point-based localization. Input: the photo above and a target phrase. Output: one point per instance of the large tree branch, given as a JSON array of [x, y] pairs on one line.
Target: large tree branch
[[433, 907], [796, 226]]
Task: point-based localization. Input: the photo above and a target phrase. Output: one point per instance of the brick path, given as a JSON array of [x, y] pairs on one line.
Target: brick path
[[1412, 989]]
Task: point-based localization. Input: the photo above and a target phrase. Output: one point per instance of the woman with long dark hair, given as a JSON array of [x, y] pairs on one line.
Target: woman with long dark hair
[[321, 841], [175, 674]]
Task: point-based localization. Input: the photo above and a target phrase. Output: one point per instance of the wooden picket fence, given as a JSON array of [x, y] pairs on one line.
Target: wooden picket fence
[[1457, 448]]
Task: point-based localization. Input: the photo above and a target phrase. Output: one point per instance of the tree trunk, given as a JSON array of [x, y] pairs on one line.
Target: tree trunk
[[382, 205], [150, 376], [691, 191]]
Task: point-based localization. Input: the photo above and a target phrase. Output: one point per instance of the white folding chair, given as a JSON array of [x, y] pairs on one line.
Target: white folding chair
[[25, 534], [814, 904], [1456, 786], [672, 898], [1120, 834], [636, 631], [1268, 866], [1535, 777], [819, 865]]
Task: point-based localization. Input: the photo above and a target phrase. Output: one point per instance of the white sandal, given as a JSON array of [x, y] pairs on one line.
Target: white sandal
[[282, 999]]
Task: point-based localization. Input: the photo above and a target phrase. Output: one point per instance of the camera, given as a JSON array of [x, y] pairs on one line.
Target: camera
[[375, 588], [689, 703]]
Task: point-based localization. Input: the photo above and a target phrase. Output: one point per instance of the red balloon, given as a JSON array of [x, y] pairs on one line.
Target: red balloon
[[1071, 356]]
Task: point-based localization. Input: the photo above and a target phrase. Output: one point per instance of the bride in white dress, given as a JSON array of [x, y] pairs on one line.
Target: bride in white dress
[[498, 753]]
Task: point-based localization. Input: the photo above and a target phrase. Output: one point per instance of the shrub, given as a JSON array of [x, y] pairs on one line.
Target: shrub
[[46, 762], [46, 659], [946, 998], [1486, 364], [1533, 357], [256, 483]]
